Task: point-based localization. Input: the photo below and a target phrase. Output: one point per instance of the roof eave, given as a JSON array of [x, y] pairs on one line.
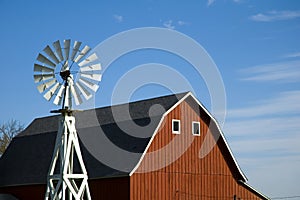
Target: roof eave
[[254, 190]]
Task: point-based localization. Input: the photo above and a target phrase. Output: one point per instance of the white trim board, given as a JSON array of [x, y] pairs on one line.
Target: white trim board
[[179, 126], [199, 129]]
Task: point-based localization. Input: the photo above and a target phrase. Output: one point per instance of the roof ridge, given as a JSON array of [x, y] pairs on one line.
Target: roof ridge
[[181, 95]]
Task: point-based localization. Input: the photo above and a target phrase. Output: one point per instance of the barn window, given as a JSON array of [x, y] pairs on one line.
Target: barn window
[[176, 126], [196, 128]]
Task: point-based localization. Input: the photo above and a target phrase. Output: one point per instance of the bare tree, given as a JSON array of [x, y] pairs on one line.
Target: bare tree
[[8, 131]]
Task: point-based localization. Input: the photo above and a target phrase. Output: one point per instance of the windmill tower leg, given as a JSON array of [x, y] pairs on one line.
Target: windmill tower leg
[[62, 181]]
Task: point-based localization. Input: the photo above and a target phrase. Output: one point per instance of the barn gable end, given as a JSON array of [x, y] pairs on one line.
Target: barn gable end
[[176, 166]]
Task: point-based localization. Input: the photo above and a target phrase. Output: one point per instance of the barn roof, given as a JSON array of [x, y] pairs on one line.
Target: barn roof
[[28, 157]]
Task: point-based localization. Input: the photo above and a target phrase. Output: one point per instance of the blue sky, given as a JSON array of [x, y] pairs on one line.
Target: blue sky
[[255, 45]]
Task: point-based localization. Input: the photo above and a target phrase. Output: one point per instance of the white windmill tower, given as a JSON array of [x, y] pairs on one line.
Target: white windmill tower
[[60, 82]]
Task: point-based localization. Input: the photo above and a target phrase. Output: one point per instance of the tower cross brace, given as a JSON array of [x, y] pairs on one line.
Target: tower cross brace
[[62, 181]]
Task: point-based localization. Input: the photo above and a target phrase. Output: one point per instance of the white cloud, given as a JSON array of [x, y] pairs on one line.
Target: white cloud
[[169, 24], [118, 18], [275, 16], [265, 135], [292, 55], [285, 71], [268, 157], [182, 23], [263, 128], [268, 175], [265, 138], [284, 103], [210, 2]]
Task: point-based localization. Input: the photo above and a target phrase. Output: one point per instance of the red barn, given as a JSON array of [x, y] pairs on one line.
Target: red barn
[[168, 147]]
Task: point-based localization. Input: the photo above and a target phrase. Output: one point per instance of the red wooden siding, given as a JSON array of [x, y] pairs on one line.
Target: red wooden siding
[[189, 177]]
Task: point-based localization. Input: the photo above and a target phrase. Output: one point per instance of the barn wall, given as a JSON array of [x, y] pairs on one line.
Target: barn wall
[[189, 177], [108, 188], [25, 192]]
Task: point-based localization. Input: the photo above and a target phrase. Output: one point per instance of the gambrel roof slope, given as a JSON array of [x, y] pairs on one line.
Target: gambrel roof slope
[[28, 157]]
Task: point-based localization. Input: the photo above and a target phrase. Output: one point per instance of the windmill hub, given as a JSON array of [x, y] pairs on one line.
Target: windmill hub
[[65, 74]]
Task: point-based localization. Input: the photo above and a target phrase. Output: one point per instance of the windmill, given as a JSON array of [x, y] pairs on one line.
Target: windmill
[[67, 75]]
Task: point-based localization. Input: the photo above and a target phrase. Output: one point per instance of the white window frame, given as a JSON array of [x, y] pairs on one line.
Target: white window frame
[[175, 120], [193, 131]]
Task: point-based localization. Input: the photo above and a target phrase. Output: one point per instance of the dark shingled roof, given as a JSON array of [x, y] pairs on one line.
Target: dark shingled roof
[[28, 157]]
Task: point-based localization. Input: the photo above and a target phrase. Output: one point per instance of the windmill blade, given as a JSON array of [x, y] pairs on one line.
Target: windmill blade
[[82, 53], [42, 87], [48, 95], [91, 68], [42, 77], [59, 95], [75, 49], [67, 48], [89, 84], [42, 69], [58, 50], [85, 93], [51, 54], [95, 77], [45, 60], [76, 95], [88, 60]]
